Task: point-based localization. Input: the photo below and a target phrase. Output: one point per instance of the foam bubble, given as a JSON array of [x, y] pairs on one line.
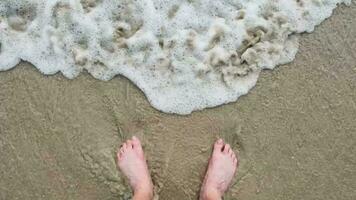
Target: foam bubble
[[184, 55]]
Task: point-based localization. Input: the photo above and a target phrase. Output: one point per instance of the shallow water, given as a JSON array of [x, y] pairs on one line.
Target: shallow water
[[184, 55]]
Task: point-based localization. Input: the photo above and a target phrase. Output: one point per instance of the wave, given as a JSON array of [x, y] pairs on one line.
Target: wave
[[185, 55]]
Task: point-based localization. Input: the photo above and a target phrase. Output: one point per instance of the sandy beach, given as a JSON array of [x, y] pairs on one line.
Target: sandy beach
[[295, 131]]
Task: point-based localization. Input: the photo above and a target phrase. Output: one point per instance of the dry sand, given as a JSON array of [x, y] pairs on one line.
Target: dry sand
[[296, 131]]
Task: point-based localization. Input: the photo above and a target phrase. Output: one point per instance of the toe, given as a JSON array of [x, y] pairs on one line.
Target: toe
[[136, 143], [137, 147], [129, 144], [218, 145], [120, 153], [124, 147], [118, 150], [235, 161], [227, 148], [232, 154]]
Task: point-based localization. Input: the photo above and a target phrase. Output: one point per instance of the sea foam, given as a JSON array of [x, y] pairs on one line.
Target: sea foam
[[185, 55]]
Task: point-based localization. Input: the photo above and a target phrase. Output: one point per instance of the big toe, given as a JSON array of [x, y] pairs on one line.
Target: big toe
[[218, 146], [136, 143]]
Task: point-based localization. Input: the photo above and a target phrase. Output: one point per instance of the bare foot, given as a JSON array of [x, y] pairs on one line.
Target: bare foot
[[222, 167], [132, 163]]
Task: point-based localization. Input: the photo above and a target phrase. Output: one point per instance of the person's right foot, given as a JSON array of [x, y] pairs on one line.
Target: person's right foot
[[221, 170]]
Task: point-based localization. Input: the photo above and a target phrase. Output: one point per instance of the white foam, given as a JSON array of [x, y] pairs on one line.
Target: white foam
[[184, 55]]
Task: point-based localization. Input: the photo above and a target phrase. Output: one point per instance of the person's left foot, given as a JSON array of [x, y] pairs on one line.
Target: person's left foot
[[132, 163]]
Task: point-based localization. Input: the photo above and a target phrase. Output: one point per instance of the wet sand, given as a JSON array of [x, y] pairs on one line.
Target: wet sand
[[295, 131]]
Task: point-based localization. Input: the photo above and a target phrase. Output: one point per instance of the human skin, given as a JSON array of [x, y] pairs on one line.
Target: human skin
[[222, 167]]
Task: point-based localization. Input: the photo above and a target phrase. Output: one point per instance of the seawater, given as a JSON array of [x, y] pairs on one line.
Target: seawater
[[185, 55]]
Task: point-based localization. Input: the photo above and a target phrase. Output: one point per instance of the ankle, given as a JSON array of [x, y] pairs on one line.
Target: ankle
[[143, 194], [210, 194]]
